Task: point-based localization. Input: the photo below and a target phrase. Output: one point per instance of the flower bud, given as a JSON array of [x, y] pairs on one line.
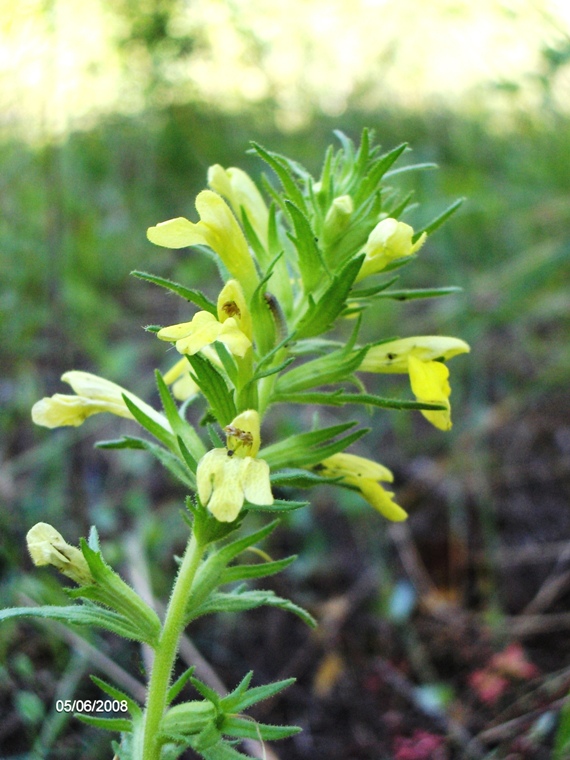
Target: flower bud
[[48, 547]]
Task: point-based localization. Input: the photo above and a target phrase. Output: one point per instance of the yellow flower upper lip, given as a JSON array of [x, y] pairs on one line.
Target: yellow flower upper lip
[[217, 229], [393, 355]]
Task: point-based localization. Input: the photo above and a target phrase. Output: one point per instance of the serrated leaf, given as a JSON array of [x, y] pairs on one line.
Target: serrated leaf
[[311, 263], [107, 724], [321, 314], [187, 293], [249, 600], [215, 389], [282, 169], [374, 174]]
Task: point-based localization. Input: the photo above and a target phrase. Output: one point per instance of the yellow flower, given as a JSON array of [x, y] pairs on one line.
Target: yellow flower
[[232, 328], [238, 188], [179, 377], [204, 329], [226, 477], [364, 474], [430, 383], [94, 395], [47, 547], [393, 356], [389, 240], [217, 229], [183, 387], [429, 378]]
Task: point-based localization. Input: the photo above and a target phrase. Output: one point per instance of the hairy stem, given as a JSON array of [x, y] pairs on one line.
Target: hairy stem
[[167, 649]]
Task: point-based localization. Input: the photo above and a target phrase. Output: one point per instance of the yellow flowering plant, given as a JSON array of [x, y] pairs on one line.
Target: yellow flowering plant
[[292, 259]]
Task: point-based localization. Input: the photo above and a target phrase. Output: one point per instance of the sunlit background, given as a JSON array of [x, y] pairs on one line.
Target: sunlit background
[[63, 63], [111, 112]]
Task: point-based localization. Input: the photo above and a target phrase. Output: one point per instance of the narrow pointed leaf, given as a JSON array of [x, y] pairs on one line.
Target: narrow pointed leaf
[[187, 293]]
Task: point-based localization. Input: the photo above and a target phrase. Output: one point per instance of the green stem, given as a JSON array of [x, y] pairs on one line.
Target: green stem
[[167, 649]]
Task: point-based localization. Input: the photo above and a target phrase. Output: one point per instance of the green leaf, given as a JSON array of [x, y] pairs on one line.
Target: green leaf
[[107, 724], [370, 182], [246, 728], [149, 424], [222, 751], [411, 168], [335, 367], [215, 389], [238, 701], [179, 684], [228, 362], [561, 749], [180, 427], [282, 168], [111, 590], [311, 263], [81, 614], [115, 693], [279, 505], [259, 570], [439, 220], [240, 601], [211, 695], [413, 293], [305, 449], [187, 293], [126, 442], [171, 462], [210, 571], [340, 398], [297, 478], [321, 314]]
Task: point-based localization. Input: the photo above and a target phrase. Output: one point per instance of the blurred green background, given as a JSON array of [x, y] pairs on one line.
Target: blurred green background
[[110, 114]]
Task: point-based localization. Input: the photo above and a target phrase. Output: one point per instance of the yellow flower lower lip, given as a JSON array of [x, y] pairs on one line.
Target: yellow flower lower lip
[[225, 482], [202, 331], [429, 381]]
